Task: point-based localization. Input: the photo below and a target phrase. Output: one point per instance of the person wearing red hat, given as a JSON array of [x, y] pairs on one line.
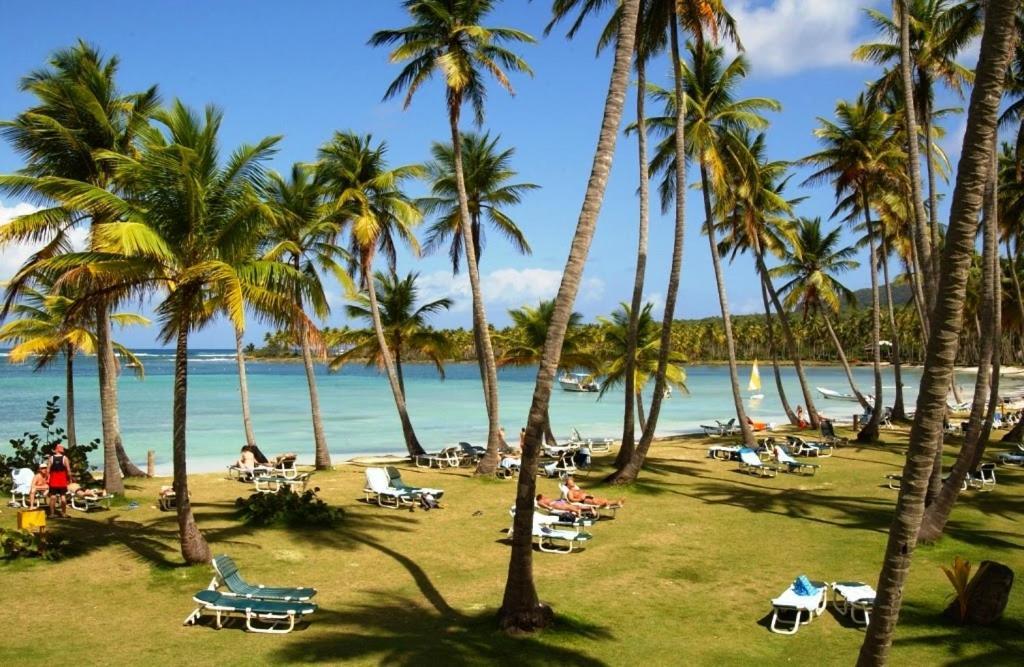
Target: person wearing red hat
[[60, 477]]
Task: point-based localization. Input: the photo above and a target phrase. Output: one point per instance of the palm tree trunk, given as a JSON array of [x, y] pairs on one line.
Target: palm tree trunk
[[628, 473], [870, 431], [923, 247], [898, 409], [844, 362], [478, 344], [914, 272], [69, 373], [1015, 279], [489, 462], [770, 330], [947, 323], [112, 480], [933, 197], [549, 435], [398, 365], [520, 608], [411, 443], [640, 410], [628, 434], [243, 388], [322, 455], [787, 333], [723, 300], [194, 548]]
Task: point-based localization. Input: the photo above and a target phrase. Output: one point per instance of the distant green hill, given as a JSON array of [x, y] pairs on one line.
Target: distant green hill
[[901, 295]]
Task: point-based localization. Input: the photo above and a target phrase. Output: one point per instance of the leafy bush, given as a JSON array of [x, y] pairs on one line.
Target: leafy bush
[[32, 448], [27, 544], [288, 508]]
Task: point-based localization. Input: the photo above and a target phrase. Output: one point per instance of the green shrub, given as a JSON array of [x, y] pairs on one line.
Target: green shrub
[[288, 508], [27, 544], [32, 448]]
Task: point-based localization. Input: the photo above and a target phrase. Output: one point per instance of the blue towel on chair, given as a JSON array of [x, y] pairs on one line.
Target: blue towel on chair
[[803, 586]]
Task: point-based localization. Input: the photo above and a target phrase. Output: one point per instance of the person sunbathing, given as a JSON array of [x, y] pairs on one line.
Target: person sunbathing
[[82, 492], [247, 460], [40, 484], [577, 495], [560, 506]]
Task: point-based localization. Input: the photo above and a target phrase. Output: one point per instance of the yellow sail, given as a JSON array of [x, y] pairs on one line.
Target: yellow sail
[[755, 378]]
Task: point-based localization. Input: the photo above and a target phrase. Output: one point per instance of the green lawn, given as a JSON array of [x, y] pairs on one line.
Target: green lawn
[[683, 575]]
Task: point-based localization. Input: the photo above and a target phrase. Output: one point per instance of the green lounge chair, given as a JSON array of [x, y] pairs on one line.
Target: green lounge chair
[[272, 614], [226, 573]]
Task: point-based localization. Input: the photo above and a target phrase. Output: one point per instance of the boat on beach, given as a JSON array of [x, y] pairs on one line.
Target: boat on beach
[[578, 382], [837, 396]]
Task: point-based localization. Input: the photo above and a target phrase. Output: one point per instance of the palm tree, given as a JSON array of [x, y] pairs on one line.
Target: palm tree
[[860, 158], [524, 345], [521, 610], [45, 328], [300, 235], [448, 37], [79, 113], [615, 346], [946, 324], [404, 323], [487, 172], [812, 261], [365, 195]]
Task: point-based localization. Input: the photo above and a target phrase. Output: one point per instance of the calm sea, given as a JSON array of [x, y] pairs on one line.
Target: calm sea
[[358, 408]]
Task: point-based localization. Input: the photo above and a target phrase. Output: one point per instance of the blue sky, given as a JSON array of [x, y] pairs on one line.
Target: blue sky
[[303, 70]]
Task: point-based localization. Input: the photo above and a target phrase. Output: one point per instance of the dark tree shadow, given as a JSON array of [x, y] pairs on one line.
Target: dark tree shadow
[[971, 646]]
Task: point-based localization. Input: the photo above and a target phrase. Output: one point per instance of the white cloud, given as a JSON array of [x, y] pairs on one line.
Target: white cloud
[[14, 255], [788, 36], [504, 288]]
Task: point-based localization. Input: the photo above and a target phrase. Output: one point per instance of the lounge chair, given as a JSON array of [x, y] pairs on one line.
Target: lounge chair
[[596, 445], [275, 482], [396, 482], [800, 447], [272, 614], [167, 499], [893, 481], [562, 520], [565, 465], [89, 499], [21, 486], [554, 540], [792, 465], [378, 488], [801, 608], [751, 464], [1010, 458], [447, 457], [828, 434], [558, 451], [984, 478], [226, 574], [721, 429], [470, 454], [854, 599], [724, 452], [595, 509]]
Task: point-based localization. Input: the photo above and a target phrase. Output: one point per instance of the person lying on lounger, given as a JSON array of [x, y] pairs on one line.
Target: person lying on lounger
[[82, 492], [578, 495], [246, 460], [559, 506]]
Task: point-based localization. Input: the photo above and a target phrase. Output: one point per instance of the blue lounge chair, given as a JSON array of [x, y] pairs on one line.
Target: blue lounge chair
[[272, 614], [226, 574], [751, 464], [792, 465]]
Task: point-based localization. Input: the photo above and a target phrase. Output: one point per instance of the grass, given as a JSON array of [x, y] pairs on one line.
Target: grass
[[683, 575]]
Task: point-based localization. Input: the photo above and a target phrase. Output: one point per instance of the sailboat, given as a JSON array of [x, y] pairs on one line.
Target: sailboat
[[755, 383]]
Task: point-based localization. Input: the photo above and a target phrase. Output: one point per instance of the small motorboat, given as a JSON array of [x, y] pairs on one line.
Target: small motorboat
[[837, 396], [578, 382]]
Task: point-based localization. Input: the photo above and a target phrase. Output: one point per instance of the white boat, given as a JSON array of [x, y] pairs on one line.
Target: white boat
[[755, 383], [578, 382], [836, 396]]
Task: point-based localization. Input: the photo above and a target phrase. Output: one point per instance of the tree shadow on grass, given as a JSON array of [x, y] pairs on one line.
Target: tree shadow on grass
[[970, 646]]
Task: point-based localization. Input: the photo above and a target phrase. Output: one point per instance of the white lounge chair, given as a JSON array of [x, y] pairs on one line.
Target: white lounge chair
[[378, 488], [611, 508], [984, 478], [854, 599], [596, 445], [449, 457], [792, 465], [750, 463], [554, 540], [88, 500], [791, 610], [800, 447], [724, 452], [396, 481], [21, 487], [273, 483]]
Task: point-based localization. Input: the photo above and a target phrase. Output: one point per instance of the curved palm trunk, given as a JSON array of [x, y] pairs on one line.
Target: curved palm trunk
[[411, 443], [898, 409], [628, 473], [549, 435], [243, 388], [844, 362], [947, 324], [870, 431], [489, 462], [521, 609], [194, 548], [640, 410], [322, 456], [628, 433], [112, 480], [1014, 278], [69, 391], [723, 301], [770, 330]]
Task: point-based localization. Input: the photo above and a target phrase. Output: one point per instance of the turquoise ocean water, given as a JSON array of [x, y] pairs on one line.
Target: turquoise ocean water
[[358, 409]]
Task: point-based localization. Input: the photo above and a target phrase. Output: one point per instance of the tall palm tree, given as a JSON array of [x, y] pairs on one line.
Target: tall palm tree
[[946, 324], [448, 37], [299, 234], [521, 610], [47, 326], [404, 321], [364, 194], [811, 261], [78, 113], [860, 158], [615, 346], [524, 345]]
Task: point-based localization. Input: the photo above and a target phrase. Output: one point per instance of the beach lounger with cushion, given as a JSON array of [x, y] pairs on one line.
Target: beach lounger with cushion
[[378, 489], [611, 508], [554, 540], [275, 616], [89, 500], [800, 447], [724, 452], [791, 609], [792, 465], [563, 520], [751, 464], [854, 599], [226, 574], [274, 482], [1011, 458], [396, 481]]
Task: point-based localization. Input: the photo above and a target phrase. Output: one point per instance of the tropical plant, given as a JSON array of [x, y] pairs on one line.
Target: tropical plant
[[960, 577], [31, 449], [405, 327], [290, 509], [926, 435], [364, 194], [448, 37], [78, 115]]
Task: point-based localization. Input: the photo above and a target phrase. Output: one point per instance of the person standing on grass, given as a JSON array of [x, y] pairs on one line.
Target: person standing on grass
[[60, 477]]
